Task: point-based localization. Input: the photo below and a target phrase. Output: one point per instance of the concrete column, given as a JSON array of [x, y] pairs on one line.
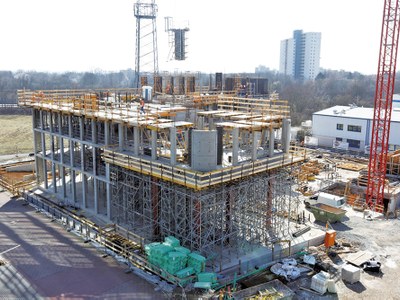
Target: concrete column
[[94, 131], [44, 162], [108, 191], [173, 145], [62, 163], [255, 137], [263, 137], [121, 138], [84, 177], [95, 195], [73, 186], [211, 123], [154, 144], [200, 123], [71, 155], [52, 152], [106, 133], [136, 140], [35, 145], [235, 146], [286, 135], [271, 141]]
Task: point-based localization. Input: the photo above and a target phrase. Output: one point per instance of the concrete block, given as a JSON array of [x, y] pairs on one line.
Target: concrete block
[[351, 273]]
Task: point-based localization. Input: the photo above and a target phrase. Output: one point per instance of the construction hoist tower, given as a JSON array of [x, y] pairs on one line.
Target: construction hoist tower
[[383, 103], [146, 54]]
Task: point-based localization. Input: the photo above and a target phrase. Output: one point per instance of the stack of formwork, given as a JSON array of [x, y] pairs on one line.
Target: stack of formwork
[[90, 102], [393, 163]]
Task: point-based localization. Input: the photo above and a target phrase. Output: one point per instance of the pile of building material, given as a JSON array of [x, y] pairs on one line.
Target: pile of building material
[[309, 170], [393, 163], [177, 261]]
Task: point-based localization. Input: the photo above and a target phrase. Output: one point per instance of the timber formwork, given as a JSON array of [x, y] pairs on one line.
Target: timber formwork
[[104, 156]]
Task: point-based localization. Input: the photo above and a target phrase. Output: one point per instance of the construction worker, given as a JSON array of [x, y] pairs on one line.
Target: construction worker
[[142, 106]]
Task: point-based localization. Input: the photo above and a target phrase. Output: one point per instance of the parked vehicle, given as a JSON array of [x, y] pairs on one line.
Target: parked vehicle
[[325, 198]]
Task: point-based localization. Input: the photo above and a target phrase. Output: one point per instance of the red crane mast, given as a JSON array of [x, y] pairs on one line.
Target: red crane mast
[[385, 80]]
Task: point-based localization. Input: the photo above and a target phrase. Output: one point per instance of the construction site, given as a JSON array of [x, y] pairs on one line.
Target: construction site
[[209, 170], [201, 189]]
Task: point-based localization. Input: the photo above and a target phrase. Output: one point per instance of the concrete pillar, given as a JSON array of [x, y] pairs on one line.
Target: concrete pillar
[[73, 186], [106, 133], [263, 137], [154, 144], [136, 140], [108, 191], [235, 146], [173, 145], [200, 123], [44, 162], [52, 152], [95, 195], [211, 123], [286, 125], [271, 141], [61, 170], [121, 138], [255, 137], [36, 137], [71, 155], [83, 162], [94, 131]]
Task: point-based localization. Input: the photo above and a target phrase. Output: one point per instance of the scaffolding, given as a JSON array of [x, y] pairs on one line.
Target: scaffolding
[[238, 216]]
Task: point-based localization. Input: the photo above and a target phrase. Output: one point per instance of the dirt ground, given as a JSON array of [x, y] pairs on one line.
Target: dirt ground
[[16, 134], [376, 235]]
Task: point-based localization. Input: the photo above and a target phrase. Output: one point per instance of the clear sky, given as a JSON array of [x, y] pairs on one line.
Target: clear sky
[[225, 35]]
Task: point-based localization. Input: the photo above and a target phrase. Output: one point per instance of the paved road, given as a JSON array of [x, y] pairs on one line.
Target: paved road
[[44, 261]]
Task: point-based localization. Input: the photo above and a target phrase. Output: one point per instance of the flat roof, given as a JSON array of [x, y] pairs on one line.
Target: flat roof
[[355, 112]]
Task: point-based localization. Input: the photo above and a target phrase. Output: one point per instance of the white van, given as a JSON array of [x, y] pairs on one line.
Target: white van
[[325, 198]]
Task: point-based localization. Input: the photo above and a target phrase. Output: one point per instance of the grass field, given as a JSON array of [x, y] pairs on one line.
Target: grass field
[[16, 134]]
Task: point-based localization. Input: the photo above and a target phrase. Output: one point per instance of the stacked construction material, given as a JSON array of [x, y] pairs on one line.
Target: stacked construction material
[[174, 260], [158, 253], [208, 280], [197, 261], [184, 275]]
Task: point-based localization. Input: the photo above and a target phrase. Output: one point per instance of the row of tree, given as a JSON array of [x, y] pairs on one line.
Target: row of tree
[[305, 97]]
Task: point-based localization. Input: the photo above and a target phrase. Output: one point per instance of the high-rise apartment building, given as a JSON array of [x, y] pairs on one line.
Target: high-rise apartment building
[[300, 55]]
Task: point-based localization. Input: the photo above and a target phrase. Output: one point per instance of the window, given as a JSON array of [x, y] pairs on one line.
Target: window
[[339, 126], [354, 143], [354, 128], [339, 139]]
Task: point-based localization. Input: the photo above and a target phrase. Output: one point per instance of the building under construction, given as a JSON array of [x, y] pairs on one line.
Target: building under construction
[[213, 170]]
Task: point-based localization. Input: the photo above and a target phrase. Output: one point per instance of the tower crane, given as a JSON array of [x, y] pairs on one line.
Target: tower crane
[[385, 80]]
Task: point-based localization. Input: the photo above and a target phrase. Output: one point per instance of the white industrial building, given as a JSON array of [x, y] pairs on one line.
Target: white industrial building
[[349, 128]]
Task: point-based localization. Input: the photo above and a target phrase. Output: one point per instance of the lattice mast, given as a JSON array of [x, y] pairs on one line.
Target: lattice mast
[[383, 103], [146, 54]]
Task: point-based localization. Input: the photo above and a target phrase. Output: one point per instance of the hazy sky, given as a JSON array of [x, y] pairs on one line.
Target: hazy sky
[[224, 36]]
